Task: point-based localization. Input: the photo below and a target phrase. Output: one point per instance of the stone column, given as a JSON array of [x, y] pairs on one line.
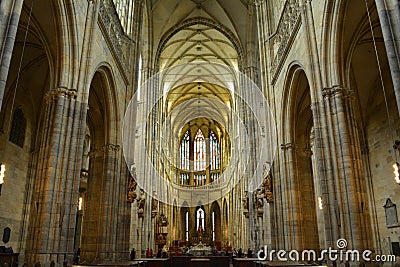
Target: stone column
[[101, 220], [109, 220], [323, 145], [149, 94], [9, 20], [123, 247], [308, 198], [291, 205], [55, 194], [373, 208], [142, 239], [266, 31], [389, 16], [27, 205], [351, 207]]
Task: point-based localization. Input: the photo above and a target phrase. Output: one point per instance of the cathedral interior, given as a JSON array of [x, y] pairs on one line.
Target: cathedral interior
[[198, 126]]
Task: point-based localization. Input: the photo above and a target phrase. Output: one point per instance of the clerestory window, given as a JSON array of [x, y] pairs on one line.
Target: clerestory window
[[200, 158]]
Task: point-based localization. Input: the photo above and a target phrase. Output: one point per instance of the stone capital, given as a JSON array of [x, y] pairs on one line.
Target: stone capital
[[336, 90], [111, 148], [60, 92], [100, 152], [289, 146]]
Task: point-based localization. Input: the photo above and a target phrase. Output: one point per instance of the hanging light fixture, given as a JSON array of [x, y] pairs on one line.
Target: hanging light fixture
[[2, 174]]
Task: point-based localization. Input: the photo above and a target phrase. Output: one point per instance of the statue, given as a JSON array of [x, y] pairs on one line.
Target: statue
[[162, 220], [140, 204], [267, 187], [245, 201], [259, 198], [131, 189], [259, 201]]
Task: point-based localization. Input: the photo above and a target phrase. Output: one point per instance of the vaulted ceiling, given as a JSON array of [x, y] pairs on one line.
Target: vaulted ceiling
[[198, 43], [220, 32], [199, 31], [230, 13]]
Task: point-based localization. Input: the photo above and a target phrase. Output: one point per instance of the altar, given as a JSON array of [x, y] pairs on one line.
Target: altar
[[200, 250]]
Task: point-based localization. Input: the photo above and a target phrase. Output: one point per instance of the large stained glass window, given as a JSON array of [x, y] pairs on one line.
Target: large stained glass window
[[214, 152], [185, 146], [199, 151], [199, 160]]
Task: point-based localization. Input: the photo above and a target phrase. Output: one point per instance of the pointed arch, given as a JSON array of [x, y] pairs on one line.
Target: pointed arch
[[185, 219], [67, 38], [298, 172], [106, 92], [289, 98], [215, 222]]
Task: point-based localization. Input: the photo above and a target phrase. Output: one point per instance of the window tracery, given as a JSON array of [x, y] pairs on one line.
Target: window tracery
[[124, 9], [199, 151], [199, 158]]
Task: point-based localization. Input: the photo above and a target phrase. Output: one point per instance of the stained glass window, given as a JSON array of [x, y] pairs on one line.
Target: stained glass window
[[185, 145], [215, 177], [194, 156], [214, 152], [124, 10], [18, 128], [200, 219], [199, 151], [199, 179], [185, 178]]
